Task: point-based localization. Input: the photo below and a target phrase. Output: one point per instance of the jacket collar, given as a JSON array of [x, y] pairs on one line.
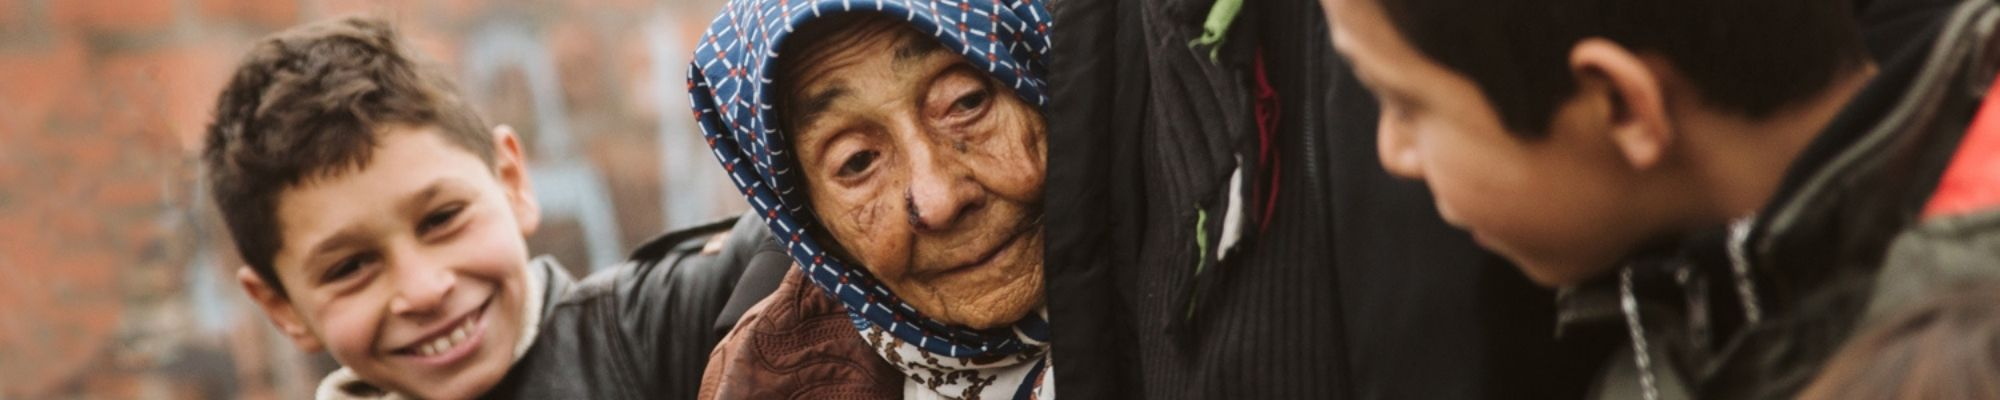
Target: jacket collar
[[1868, 176]]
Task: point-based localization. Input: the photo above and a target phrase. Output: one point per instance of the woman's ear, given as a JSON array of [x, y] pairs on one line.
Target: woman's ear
[[279, 309], [1638, 123], [511, 167]]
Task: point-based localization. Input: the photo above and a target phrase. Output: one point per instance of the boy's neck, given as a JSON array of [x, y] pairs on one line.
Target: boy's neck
[[1741, 162]]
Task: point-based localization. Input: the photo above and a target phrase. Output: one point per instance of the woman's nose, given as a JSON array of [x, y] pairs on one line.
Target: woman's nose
[[420, 287], [941, 189]]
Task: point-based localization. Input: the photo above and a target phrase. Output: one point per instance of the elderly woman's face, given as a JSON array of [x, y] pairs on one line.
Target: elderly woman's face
[[924, 169]]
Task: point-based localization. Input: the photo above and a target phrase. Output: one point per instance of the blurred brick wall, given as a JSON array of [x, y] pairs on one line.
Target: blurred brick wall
[[116, 278]]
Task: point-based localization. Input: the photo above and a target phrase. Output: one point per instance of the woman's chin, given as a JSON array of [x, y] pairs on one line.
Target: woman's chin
[[992, 318], [996, 306]]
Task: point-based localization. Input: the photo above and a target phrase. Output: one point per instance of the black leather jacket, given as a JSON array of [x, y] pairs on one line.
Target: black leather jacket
[[644, 329]]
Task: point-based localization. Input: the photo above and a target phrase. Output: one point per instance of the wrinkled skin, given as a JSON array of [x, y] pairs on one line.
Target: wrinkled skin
[[923, 169]]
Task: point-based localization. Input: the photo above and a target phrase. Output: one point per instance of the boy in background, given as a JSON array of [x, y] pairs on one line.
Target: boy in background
[[1732, 182]]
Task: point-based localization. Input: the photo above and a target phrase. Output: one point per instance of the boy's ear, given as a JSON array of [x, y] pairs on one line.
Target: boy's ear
[[1638, 123], [280, 310], [512, 169]]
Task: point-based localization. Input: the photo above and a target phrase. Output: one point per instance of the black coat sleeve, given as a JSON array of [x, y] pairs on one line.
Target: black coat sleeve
[[672, 294]]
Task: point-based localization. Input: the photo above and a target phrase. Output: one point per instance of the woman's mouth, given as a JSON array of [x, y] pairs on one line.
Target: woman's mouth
[[984, 258]]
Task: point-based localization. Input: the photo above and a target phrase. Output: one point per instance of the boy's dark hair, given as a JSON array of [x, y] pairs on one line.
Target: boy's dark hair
[[308, 103], [1746, 56]]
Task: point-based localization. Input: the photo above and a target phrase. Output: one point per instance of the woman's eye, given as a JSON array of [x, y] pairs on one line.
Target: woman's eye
[[969, 102], [960, 96], [438, 218], [857, 163]]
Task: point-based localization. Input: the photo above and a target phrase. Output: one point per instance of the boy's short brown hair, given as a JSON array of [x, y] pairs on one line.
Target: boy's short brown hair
[[307, 103]]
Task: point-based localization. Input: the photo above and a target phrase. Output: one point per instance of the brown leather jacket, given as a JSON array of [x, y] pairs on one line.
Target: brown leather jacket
[[797, 344]]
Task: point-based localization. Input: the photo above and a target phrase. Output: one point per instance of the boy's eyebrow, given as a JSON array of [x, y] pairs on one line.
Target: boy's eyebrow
[[416, 202], [353, 234], [346, 237]]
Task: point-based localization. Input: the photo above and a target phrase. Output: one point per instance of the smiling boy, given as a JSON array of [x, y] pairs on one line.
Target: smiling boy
[[383, 222], [1733, 182]]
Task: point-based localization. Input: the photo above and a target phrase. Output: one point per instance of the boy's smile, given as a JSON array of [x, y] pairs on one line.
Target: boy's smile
[[446, 344], [411, 269]]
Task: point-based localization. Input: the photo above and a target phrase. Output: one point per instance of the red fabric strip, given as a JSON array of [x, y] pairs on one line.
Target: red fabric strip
[[1972, 181]]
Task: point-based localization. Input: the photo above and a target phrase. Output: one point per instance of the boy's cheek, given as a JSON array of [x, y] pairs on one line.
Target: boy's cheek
[[496, 259], [349, 331]]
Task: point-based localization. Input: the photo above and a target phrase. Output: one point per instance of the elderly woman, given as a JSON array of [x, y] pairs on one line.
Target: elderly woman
[[895, 149]]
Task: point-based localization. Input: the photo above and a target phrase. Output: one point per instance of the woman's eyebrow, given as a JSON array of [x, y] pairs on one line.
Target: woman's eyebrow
[[816, 104], [914, 49]]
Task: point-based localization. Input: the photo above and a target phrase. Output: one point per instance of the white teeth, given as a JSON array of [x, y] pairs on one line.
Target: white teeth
[[446, 342]]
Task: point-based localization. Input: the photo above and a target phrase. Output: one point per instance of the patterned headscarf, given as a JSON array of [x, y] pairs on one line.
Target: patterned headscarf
[[731, 83]]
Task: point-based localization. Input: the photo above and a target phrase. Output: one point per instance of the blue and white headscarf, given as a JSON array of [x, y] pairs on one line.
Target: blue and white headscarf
[[730, 81]]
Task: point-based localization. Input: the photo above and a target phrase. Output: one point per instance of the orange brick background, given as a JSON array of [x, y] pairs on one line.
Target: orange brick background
[[116, 277]]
